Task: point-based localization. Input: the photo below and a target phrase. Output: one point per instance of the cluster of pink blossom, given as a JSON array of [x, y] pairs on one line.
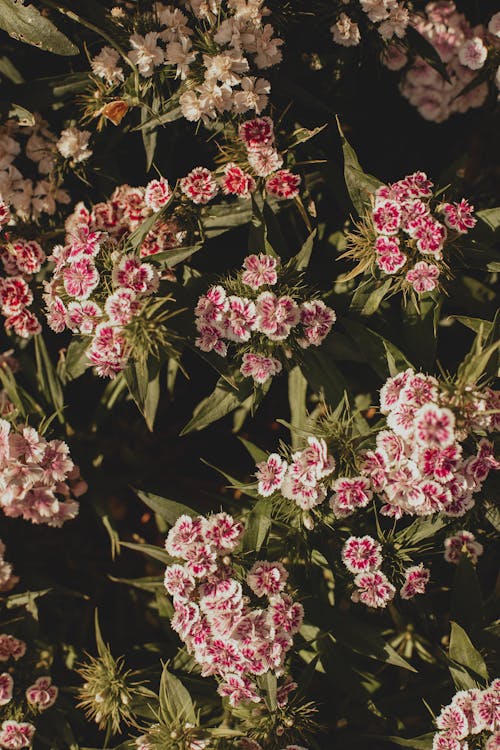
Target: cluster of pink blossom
[[227, 636], [472, 719], [463, 52], [7, 578], [21, 259], [40, 696], [462, 542], [390, 18], [215, 49], [362, 556], [29, 197], [304, 479], [38, 479], [406, 230], [419, 465], [222, 317]]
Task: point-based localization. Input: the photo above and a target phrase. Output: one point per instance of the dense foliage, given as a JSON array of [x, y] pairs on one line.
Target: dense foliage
[[248, 402]]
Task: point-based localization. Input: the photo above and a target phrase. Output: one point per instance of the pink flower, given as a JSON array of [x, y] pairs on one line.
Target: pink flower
[[109, 351], [434, 426], [259, 270], [80, 278], [223, 532], [238, 690], [212, 306], [453, 721], [210, 339], [276, 316], [387, 217], [373, 589], [15, 735], [184, 533], [416, 185], [267, 578], [240, 320], [25, 324], [391, 390], [200, 186], [29, 256], [5, 215], [121, 306], [11, 647], [361, 554], [459, 216], [473, 53], [416, 579], [488, 709], [423, 277], [419, 390], [493, 742], [317, 320], [15, 294], [257, 133], [130, 273], [350, 494], [178, 581], [429, 234], [83, 316], [237, 182], [389, 259], [270, 474], [463, 542], [57, 315], [157, 194], [285, 614], [42, 694], [283, 185], [6, 687], [260, 367], [443, 741], [83, 243]]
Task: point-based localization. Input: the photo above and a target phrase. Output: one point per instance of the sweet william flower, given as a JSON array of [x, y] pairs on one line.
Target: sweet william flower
[[373, 589], [423, 277], [74, 144], [42, 694], [473, 53], [146, 53], [361, 554], [157, 194], [105, 65], [6, 688], [270, 474], [260, 367], [259, 270], [14, 735], [283, 185], [199, 185], [416, 580]]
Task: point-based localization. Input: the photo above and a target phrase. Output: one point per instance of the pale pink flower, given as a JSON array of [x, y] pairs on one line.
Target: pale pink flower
[[146, 53], [259, 270], [264, 161], [423, 277], [361, 554], [212, 306], [345, 31], [459, 216], [178, 581], [270, 474], [240, 319], [434, 426], [105, 65], [210, 339], [317, 320], [42, 694], [267, 578], [373, 589], [74, 144], [473, 53], [157, 194], [15, 735], [416, 579], [200, 185], [6, 688], [260, 367], [463, 542], [276, 316]]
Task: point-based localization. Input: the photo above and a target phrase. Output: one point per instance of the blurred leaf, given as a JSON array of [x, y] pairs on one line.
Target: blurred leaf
[[257, 453], [360, 186], [424, 742], [362, 638], [268, 684], [48, 379], [176, 706], [143, 380], [150, 550], [297, 391], [222, 401], [301, 260], [26, 24], [380, 353], [169, 510], [426, 51], [490, 216], [74, 362]]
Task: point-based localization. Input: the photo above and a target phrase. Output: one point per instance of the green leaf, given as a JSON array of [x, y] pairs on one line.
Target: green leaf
[[382, 355], [466, 602], [74, 362], [268, 684], [475, 324], [258, 525], [171, 257], [297, 392], [235, 483], [26, 24], [323, 375], [48, 379], [176, 706], [143, 380], [368, 302], [468, 668], [222, 401], [301, 260], [150, 550], [421, 529], [360, 186], [257, 453], [490, 216], [362, 638], [169, 510], [424, 742], [149, 139]]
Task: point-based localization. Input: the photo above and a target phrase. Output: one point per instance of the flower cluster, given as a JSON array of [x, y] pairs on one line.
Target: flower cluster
[[38, 697], [462, 51], [21, 260], [262, 321], [227, 636], [214, 49], [38, 479], [362, 556], [419, 465], [462, 542], [7, 578], [24, 196], [389, 17], [472, 719], [402, 237]]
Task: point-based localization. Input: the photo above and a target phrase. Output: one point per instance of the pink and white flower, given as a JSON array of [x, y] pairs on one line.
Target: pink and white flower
[[270, 474], [259, 367], [373, 589], [200, 186], [259, 270], [463, 542], [283, 185], [416, 580], [42, 694], [361, 554], [267, 578], [423, 277], [459, 216], [157, 194]]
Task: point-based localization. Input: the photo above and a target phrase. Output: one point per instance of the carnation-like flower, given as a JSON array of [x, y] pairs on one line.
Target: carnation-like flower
[[361, 554], [463, 542], [199, 185], [416, 580], [42, 694], [373, 589], [74, 144]]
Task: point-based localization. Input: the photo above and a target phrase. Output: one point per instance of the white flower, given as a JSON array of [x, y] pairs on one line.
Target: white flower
[[225, 67], [376, 10], [396, 23], [346, 31], [145, 52], [105, 65], [73, 144], [181, 55], [267, 47], [190, 106], [254, 95], [494, 24]]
